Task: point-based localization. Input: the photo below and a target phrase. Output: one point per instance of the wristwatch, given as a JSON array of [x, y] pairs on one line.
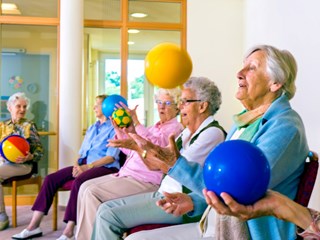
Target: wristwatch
[[90, 165]]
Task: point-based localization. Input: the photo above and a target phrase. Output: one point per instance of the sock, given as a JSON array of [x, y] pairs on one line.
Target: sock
[[3, 217]]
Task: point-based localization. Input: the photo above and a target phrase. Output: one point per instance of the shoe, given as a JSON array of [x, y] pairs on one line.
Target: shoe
[[4, 224], [26, 234], [64, 237]]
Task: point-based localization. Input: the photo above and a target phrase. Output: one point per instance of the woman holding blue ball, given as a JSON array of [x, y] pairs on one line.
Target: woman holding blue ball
[[266, 83]]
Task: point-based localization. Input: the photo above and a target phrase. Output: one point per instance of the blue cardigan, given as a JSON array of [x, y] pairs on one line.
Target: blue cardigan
[[281, 136]]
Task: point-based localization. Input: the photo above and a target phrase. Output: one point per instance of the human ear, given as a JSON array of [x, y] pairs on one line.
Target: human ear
[[274, 87], [203, 106]]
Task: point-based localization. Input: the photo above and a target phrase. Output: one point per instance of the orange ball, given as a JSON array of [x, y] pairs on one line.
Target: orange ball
[[167, 65]]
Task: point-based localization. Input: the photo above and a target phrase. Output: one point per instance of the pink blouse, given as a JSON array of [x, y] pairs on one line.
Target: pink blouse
[[157, 134]]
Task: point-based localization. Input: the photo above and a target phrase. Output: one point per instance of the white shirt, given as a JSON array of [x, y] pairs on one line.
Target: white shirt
[[206, 141]]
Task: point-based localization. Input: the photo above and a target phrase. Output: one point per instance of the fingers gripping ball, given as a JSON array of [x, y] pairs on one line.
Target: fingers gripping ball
[[109, 104], [167, 65], [238, 168], [14, 146], [121, 117]]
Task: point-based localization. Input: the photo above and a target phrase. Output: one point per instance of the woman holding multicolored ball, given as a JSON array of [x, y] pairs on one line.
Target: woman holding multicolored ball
[[18, 105]]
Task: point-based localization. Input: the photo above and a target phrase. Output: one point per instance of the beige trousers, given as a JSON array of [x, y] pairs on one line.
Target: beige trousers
[[96, 191], [8, 170]]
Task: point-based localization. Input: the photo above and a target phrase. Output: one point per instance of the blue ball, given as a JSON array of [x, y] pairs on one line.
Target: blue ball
[[238, 168], [109, 104]]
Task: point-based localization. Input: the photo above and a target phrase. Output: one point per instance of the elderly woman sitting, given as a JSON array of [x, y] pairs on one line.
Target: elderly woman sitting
[[265, 84], [17, 105], [134, 177], [200, 100]]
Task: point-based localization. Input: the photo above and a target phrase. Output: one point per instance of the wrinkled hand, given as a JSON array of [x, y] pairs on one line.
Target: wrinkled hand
[[128, 143], [120, 132], [271, 204], [23, 159], [157, 157], [176, 203], [132, 112], [77, 170]]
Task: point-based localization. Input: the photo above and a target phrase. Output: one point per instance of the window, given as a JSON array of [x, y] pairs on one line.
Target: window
[[115, 48]]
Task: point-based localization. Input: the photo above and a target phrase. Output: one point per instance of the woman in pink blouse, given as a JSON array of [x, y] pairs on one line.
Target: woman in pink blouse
[[134, 177]]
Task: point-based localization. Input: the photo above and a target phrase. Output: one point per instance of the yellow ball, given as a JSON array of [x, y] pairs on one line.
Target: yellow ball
[[121, 117], [167, 65]]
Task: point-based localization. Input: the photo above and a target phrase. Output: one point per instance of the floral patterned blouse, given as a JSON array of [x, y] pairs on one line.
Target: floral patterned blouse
[[28, 130]]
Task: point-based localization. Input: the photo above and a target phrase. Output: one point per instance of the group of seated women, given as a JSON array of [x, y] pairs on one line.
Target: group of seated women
[[161, 180]]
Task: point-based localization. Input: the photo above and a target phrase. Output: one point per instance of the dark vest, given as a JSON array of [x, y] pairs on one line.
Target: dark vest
[[186, 218]]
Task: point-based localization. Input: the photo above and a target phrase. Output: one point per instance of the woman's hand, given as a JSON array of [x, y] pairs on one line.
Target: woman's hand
[[122, 133], [156, 157], [132, 112], [272, 203], [176, 203], [128, 143], [77, 170], [23, 159]]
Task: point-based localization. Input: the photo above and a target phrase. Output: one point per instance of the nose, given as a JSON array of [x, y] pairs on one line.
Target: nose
[[240, 74], [180, 105]]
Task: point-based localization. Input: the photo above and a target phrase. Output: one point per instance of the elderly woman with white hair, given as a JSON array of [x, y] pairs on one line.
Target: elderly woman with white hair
[[18, 105], [266, 83]]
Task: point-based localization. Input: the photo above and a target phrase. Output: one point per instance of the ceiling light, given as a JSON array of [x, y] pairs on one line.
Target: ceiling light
[[139, 15], [130, 43], [133, 31], [10, 8]]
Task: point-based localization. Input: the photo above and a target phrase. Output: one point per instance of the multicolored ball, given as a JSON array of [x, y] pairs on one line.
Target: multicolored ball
[[121, 117], [14, 146]]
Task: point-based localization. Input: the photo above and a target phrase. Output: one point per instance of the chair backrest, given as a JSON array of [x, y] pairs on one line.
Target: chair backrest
[[307, 179], [122, 158]]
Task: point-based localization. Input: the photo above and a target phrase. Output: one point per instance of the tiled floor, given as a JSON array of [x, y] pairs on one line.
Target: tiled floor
[[24, 216]]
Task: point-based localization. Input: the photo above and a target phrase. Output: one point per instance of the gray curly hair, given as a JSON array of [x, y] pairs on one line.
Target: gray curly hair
[[205, 90]]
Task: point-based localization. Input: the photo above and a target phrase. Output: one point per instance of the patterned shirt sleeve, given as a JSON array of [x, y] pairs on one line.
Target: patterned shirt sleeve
[[35, 145], [28, 130], [313, 231]]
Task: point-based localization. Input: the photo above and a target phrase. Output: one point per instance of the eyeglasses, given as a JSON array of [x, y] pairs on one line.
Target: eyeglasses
[[184, 101], [167, 103]]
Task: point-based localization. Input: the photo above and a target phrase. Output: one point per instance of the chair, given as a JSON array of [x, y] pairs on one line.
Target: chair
[[67, 187], [17, 181], [307, 180]]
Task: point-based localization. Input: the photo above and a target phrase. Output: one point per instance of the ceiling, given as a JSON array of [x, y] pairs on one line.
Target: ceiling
[[102, 39]]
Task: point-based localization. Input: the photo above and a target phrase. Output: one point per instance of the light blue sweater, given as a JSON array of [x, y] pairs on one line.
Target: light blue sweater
[[281, 136]]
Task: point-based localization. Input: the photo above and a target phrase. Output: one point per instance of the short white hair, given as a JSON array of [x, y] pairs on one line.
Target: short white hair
[[18, 96], [175, 93]]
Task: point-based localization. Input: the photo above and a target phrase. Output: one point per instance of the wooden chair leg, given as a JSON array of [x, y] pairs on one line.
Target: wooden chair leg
[[55, 213], [14, 204], [39, 180]]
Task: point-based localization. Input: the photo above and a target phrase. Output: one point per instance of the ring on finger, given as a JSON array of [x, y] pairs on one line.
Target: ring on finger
[[144, 154]]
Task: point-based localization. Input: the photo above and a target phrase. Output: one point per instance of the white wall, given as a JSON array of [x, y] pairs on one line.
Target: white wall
[[219, 31], [215, 43], [293, 25]]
